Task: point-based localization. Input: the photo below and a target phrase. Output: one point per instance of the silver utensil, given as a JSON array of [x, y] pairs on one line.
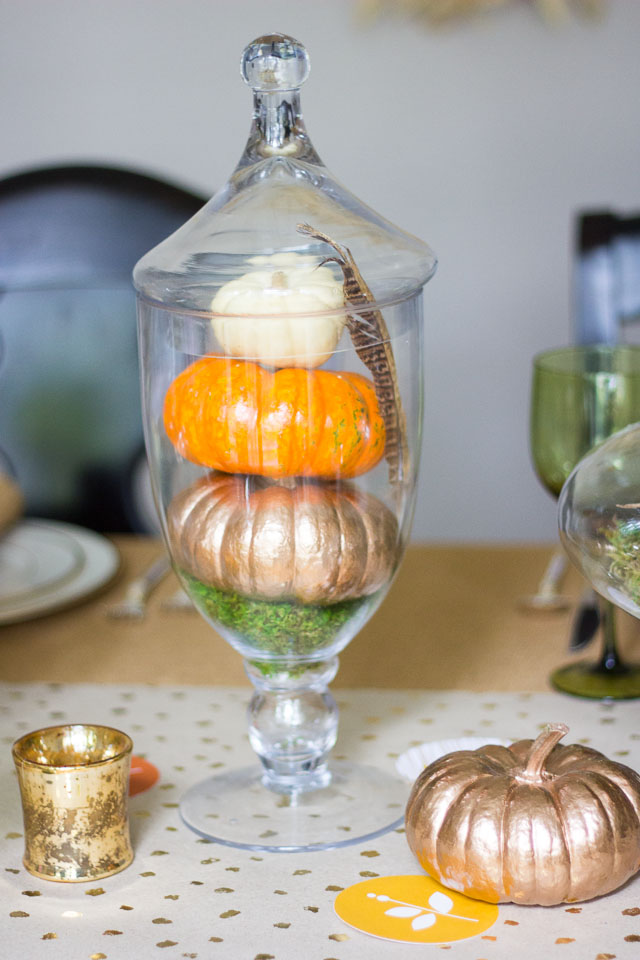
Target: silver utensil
[[180, 600], [585, 622], [133, 607], [548, 596]]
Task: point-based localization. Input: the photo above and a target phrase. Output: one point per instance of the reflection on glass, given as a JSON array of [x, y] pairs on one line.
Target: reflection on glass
[[599, 517]]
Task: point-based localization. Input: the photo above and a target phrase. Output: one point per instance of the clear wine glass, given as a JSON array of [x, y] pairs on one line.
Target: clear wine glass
[[280, 336], [580, 396], [599, 520]]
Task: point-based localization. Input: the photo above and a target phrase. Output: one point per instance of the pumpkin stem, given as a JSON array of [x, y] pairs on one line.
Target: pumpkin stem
[[541, 748]]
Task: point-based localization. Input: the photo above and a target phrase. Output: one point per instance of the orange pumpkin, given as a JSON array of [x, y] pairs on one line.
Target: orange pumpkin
[[235, 416]]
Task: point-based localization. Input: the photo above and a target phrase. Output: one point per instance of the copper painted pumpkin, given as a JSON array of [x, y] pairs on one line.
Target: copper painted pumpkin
[[533, 823], [315, 543], [234, 415]]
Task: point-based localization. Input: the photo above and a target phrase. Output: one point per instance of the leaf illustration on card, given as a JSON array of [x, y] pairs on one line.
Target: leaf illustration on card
[[421, 917], [413, 909], [440, 902], [403, 911], [426, 920]]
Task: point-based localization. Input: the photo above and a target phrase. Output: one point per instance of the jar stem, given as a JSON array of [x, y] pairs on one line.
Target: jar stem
[[293, 723]]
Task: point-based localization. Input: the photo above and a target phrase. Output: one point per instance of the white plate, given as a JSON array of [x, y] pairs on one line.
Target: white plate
[[45, 565], [34, 559], [412, 762]]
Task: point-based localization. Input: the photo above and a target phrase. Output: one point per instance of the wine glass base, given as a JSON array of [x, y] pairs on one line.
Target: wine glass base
[[592, 681], [237, 810]]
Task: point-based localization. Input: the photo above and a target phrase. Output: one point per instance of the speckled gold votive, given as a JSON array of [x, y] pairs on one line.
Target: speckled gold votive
[[74, 784]]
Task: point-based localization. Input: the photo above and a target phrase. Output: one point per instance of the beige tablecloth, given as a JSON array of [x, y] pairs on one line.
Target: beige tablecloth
[[185, 897]]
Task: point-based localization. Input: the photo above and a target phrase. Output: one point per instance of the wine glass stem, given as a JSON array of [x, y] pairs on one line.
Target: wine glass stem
[[610, 661], [293, 723]]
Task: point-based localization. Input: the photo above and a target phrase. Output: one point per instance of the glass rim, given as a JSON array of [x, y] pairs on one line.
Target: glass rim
[[561, 360], [19, 756], [345, 310]]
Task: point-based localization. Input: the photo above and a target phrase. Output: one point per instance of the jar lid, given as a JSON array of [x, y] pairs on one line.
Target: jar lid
[[280, 211]]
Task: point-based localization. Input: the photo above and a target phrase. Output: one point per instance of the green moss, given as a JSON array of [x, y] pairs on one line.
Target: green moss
[[282, 629], [624, 543]]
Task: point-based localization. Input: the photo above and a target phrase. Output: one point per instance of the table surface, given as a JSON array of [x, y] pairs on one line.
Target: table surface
[[450, 653], [452, 620]]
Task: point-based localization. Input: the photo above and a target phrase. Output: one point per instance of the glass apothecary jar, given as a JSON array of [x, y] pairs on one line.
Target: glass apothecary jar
[[280, 336]]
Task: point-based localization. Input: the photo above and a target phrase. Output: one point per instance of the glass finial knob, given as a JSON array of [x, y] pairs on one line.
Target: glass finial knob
[[275, 62]]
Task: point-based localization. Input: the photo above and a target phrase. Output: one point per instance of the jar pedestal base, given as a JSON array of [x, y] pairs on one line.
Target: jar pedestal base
[[237, 810]]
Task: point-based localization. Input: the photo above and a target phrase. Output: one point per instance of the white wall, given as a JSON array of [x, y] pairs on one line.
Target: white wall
[[483, 139]]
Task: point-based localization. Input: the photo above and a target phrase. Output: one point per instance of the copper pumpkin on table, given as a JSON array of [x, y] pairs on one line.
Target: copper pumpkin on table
[[533, 823], [309, 542]]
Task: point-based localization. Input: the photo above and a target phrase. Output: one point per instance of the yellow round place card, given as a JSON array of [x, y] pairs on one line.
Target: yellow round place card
[[413, 909]]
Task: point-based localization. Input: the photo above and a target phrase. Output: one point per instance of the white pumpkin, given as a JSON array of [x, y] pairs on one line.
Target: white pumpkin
[[281, 315]]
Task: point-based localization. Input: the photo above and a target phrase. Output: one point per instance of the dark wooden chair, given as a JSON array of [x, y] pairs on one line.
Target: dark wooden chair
[[70, 420]]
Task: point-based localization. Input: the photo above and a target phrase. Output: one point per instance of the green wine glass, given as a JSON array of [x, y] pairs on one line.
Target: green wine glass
[[580, 396]]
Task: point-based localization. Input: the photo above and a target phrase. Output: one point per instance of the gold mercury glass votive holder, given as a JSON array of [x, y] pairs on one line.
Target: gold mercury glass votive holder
[[74, 785]]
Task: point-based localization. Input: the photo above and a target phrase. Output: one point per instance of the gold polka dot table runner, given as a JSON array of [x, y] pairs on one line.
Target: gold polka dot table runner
[[187, 897]]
